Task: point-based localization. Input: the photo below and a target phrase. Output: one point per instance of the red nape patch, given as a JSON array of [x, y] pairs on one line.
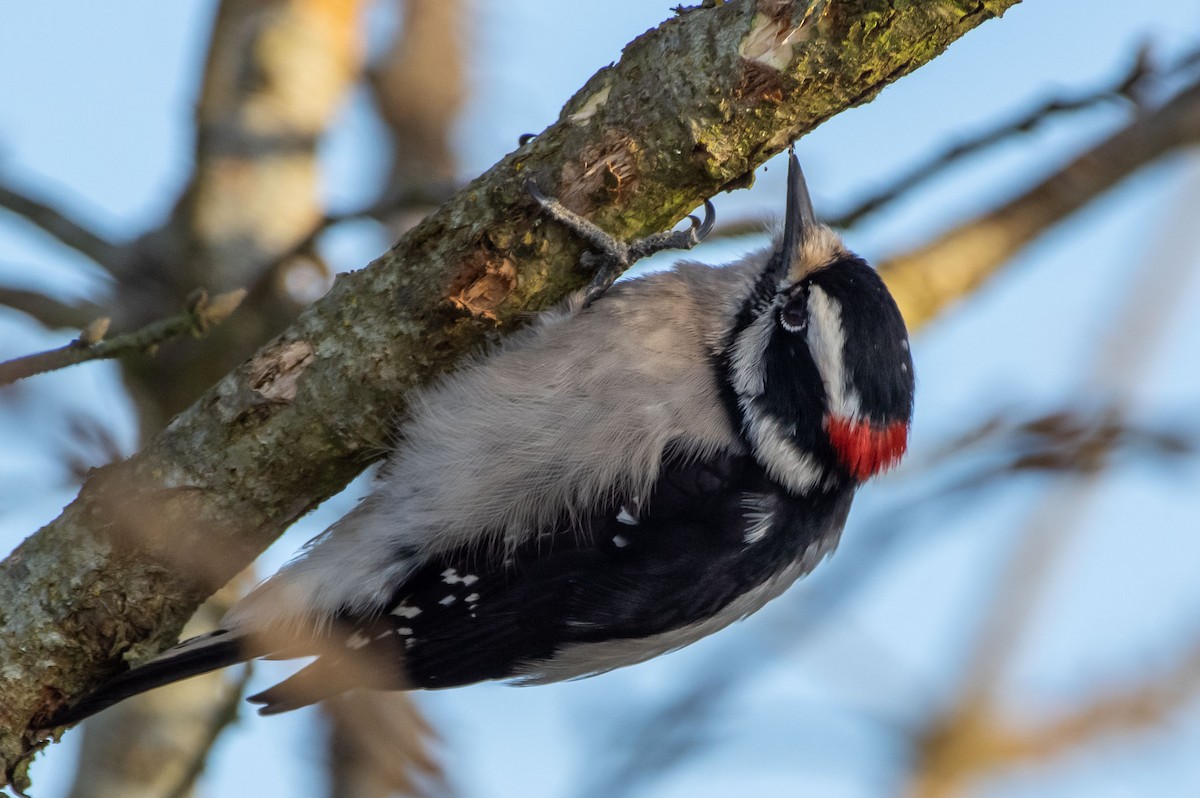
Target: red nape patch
[[864, 449]]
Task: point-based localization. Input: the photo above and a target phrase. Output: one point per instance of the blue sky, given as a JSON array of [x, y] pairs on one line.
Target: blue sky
[[96, 114]]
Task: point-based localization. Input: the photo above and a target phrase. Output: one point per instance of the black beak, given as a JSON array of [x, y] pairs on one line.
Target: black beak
[[799, 217], [799, 220]]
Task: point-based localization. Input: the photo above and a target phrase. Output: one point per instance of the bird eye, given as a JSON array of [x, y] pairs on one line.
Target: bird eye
[[794, 315]]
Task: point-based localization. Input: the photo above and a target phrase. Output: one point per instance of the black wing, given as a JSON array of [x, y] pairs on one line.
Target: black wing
[[708, 532]]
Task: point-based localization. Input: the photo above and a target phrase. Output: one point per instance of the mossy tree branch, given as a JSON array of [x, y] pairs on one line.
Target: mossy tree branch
[[692, 107]]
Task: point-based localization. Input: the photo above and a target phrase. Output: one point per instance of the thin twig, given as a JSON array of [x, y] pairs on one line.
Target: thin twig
[[74, 234], [200, 315]]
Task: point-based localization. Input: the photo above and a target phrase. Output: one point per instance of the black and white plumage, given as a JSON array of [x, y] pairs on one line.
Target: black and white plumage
[[621, 479]]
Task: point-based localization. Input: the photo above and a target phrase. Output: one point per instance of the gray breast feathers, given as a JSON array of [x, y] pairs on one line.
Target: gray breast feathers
[[576, 409]]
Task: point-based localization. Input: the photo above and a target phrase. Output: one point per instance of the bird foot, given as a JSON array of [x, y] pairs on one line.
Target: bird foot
[[613, 256]]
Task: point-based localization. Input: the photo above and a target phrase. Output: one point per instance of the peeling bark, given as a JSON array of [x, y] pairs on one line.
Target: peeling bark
[[117, 574]]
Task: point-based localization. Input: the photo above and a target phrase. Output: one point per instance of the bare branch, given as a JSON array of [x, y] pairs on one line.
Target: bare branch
[[76, 235], [200, 316]]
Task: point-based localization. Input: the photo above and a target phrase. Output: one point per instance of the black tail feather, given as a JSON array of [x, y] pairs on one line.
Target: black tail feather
[[339, 666], [190, 658]]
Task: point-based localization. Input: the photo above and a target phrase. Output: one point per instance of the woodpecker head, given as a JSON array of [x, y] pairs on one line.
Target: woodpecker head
[[818, 361]]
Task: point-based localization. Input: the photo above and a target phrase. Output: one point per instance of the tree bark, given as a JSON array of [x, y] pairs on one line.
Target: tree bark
[[692, 107]]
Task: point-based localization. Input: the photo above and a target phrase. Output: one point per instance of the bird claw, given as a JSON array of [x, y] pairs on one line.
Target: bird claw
[[696, 232], [585, 229], [710, 220], [612, 255]]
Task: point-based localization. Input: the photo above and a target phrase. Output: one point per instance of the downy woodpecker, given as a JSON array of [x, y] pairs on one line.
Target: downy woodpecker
[[640, 468]]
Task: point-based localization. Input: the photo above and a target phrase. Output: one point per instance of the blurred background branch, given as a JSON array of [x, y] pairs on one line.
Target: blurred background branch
[[967, 740], [47, 310], [958, 262], [67, 231]]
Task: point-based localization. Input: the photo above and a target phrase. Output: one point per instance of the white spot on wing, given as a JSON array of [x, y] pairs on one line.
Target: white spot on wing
[[620, 541], [450, 576], [405, 611], [583, 659], [448, 600], [405, 630], [471, 599], [357, 640], [625, 518]]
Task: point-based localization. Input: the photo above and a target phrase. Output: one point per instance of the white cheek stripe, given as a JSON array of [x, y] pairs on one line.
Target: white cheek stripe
[[827, 343], [749, 352], [774, 449]]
